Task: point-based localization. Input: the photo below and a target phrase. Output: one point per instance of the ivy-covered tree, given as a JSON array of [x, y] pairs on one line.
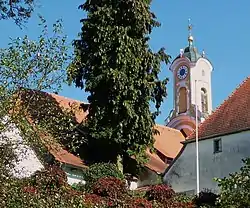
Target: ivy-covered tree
[[18, 10], [115, 65]]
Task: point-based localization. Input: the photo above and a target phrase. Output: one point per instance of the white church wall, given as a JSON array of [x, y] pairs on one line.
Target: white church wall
[[201, 72], [182, 175]]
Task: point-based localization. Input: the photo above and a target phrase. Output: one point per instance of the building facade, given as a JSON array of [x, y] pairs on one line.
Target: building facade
[[224, 140], [192, 86]]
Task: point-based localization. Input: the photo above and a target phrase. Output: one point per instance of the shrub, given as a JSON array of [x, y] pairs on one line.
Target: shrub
[[183, 197], [161, 193], [22, 194], [100, 170], [139, 203], [78, 186], [235, 189], [205, 198], [174, 204], [49, 179], [30, 190], [93, 199], [110, 187]]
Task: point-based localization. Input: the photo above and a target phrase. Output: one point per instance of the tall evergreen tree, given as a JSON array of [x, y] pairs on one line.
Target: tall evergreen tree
[[115, 65]]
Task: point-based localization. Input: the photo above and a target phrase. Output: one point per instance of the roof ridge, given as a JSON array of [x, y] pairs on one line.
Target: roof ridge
[[167, 127], [64, 97], [216, 111]]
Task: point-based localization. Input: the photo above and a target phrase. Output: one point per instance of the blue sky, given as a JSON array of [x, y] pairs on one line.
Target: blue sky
[[221, 28]]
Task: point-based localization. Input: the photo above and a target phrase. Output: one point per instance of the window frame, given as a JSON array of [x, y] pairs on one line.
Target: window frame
[[217, 143]]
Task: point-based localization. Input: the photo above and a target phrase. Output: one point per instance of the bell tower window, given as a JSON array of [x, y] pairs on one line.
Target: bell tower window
[[182, 100], [203, 73], [204, 104]]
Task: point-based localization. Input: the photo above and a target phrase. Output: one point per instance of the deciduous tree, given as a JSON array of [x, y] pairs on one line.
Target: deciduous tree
[[28, 64], [18, 10], [115, 65]]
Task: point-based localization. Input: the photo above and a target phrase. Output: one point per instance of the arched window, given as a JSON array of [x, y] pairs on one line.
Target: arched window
[[182, 100], [204, 104], [203, 72]]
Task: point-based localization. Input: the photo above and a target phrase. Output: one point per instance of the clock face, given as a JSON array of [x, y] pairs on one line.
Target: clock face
[[182, 72]]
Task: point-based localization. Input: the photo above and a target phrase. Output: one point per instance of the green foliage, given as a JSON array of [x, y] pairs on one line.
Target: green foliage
[[8, 158], [49, 188], [235, 189], [40, 191], [183, 198], [101, 170], [31, 64], [114, 63], [205, 199], [78, 186], [18, 10], [37, 65]]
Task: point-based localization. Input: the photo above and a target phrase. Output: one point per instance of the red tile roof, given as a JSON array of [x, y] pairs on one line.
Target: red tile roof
[[55, 149], [231, 116], [66, 157], [155, 163], [72, 105], [168, 141]]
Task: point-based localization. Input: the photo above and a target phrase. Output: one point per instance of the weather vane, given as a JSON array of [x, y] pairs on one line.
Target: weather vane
[[190, 27]]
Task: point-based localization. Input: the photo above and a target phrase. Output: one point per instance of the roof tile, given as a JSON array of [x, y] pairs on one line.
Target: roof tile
[[231, 116], [168, 141]]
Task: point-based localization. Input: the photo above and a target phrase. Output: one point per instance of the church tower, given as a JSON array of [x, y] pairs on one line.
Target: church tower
[[192, 86]]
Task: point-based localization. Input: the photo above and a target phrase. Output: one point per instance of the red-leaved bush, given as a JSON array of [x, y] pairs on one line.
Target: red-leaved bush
[[173, 204], [93, 199], [139, 203], [49, 179], [29, 189], [110, 187], [161, 193]]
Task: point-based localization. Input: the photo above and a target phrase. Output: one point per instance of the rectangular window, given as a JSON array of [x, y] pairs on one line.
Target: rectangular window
[[217, 145]]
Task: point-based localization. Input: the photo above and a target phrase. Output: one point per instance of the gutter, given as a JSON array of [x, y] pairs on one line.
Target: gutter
[[215, 135]]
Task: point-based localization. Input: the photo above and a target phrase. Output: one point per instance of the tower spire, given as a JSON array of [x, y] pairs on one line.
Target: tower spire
[[190, 37]]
